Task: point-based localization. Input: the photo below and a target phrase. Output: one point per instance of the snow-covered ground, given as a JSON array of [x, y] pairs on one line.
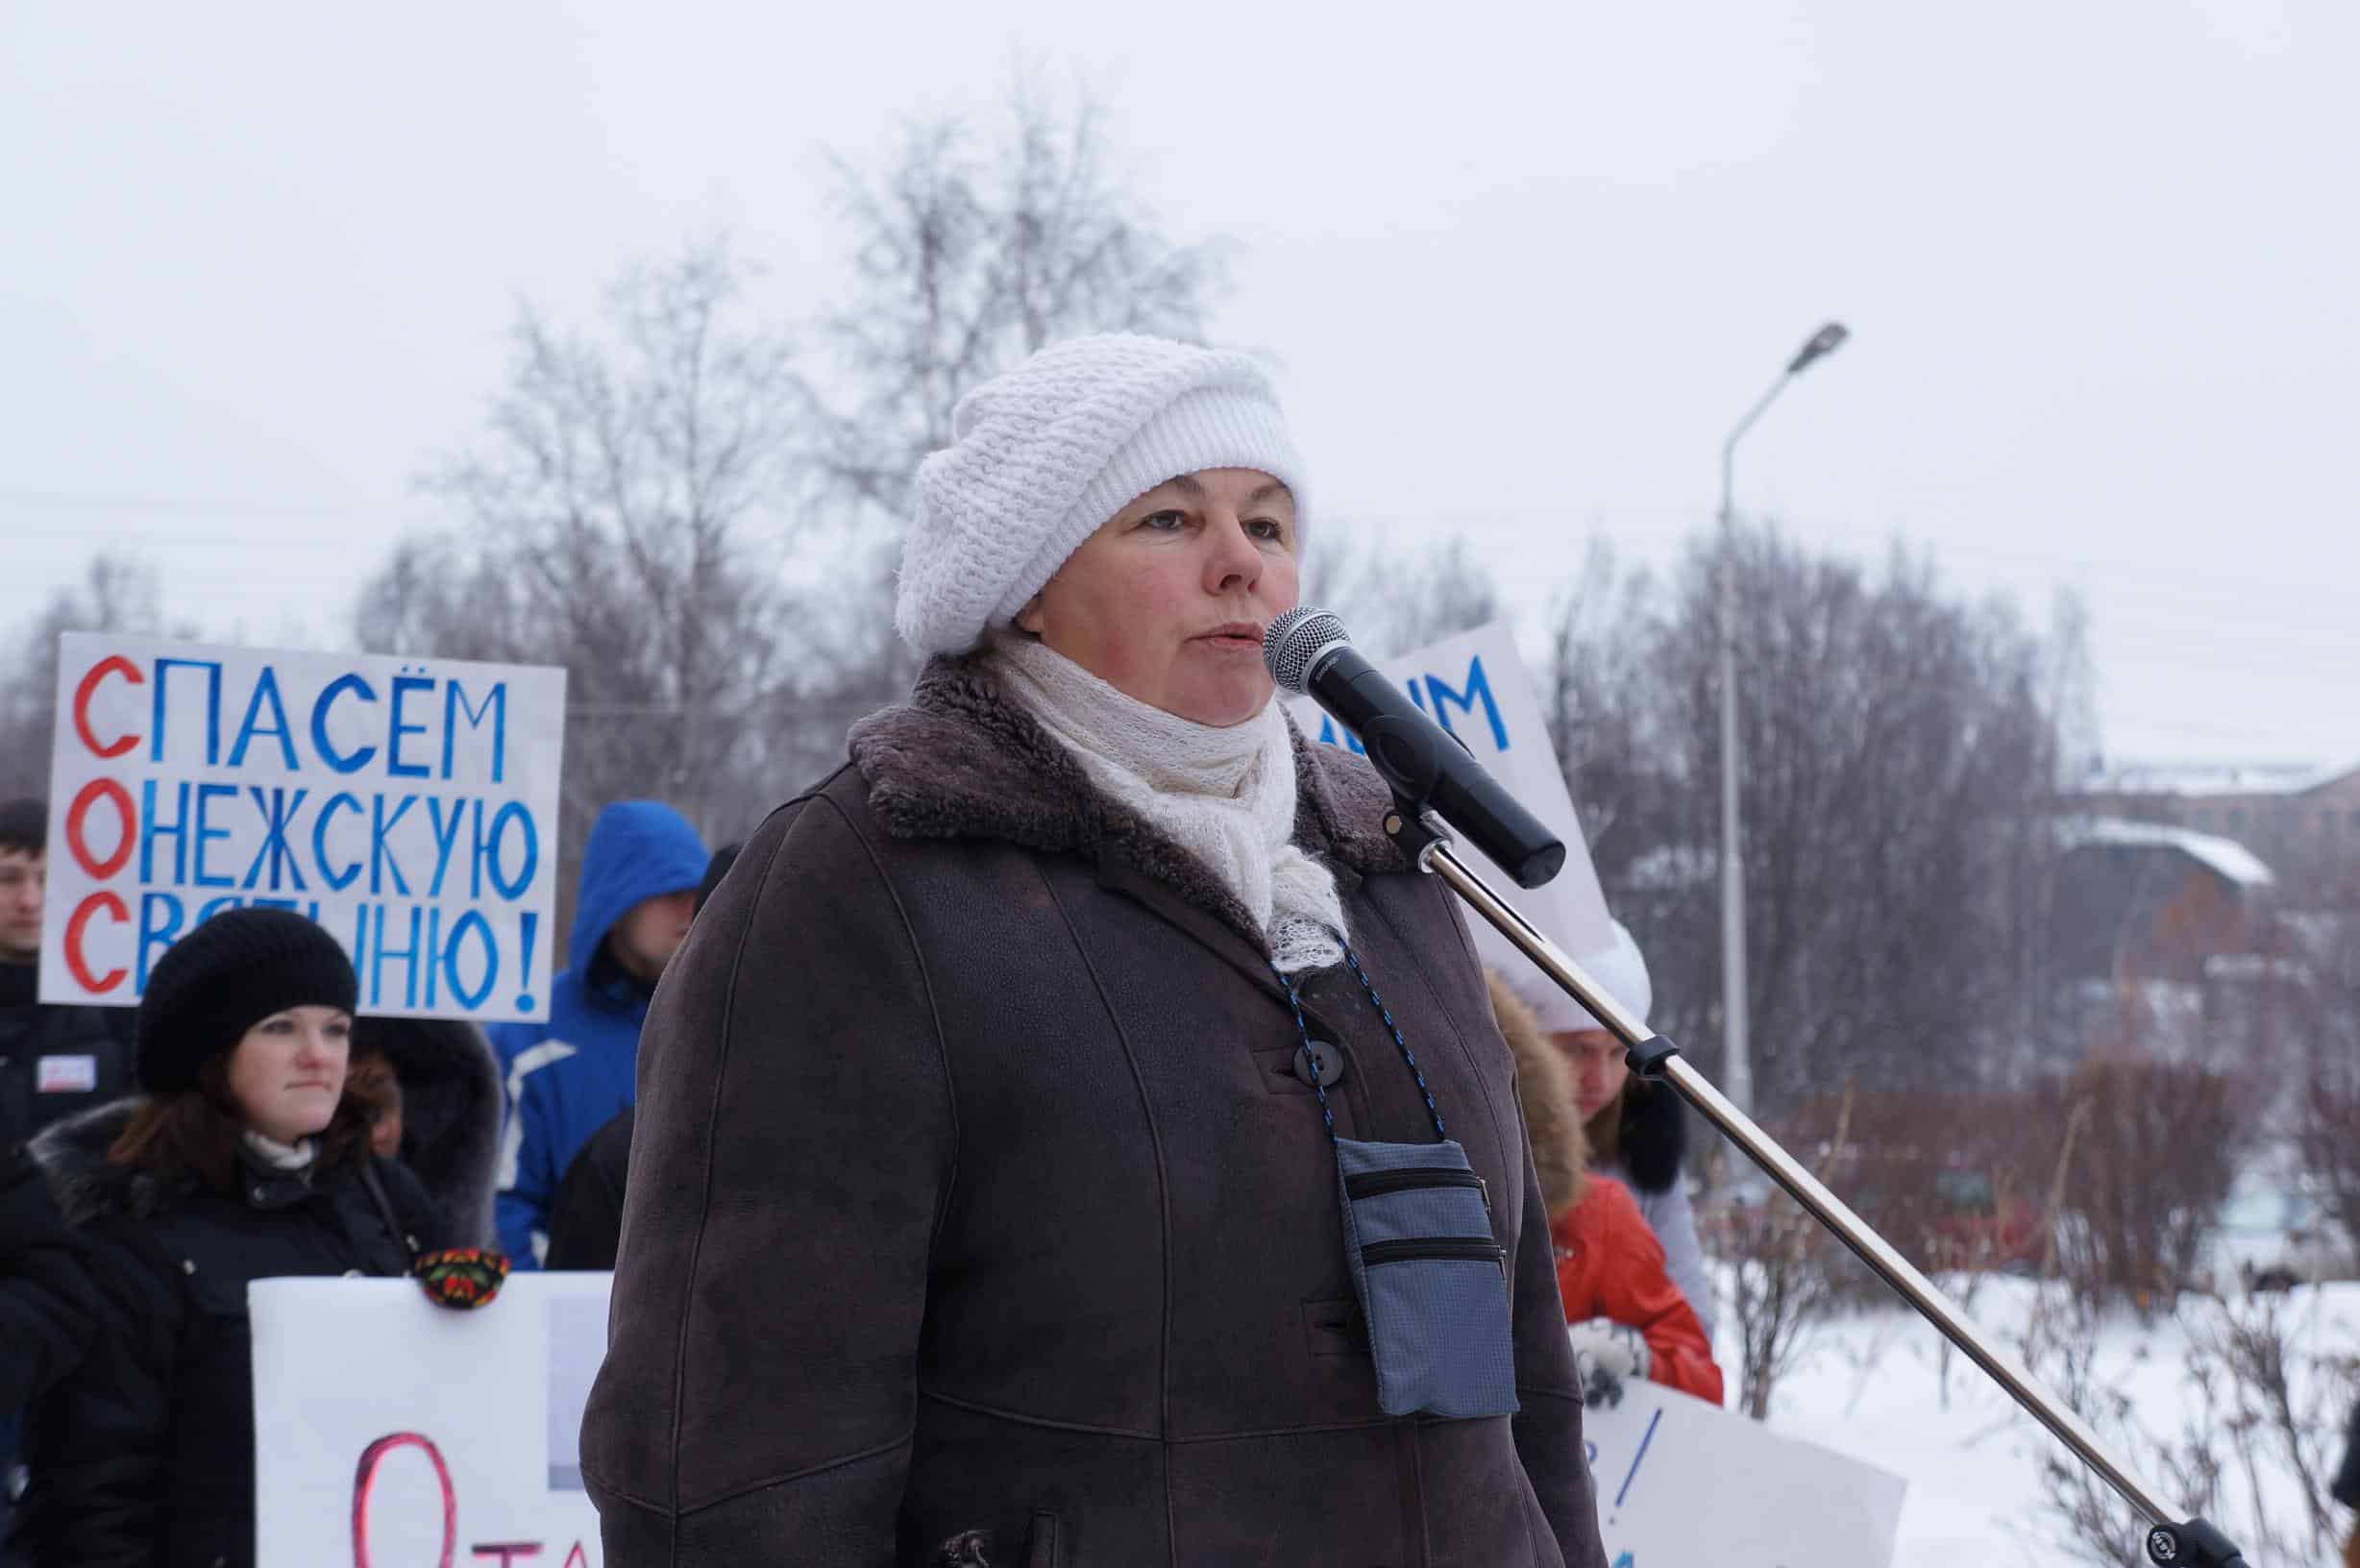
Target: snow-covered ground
[[1870, 1386]]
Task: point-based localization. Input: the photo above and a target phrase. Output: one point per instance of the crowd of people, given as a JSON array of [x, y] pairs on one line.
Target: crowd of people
[[1054, 1137], [244, 1122]]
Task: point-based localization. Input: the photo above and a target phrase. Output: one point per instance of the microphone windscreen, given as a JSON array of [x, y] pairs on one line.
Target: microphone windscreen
[[1295, 640]]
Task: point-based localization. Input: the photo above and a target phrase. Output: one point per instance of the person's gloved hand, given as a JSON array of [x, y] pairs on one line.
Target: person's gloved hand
[[464, 1278], [1606, 1355]]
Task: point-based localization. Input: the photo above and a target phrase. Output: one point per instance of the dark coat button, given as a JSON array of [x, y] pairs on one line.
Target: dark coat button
[[1331, 1062]]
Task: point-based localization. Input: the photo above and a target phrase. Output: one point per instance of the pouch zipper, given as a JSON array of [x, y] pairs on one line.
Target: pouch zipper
[[1458, 1248], [1370, 1184]]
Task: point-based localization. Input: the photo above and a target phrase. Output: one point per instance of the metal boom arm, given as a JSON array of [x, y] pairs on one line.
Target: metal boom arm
[[2191, 1543]]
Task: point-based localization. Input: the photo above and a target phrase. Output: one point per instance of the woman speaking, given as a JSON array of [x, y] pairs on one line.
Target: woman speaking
[[1073, 1134]]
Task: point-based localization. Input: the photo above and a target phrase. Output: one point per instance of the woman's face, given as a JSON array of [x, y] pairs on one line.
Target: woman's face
[[1167, 601], [370, 1079], [287, 1072], [1599, 1067]]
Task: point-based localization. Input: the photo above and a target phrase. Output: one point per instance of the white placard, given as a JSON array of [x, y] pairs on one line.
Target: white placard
[[388, 1429], [1475, 686], [1680, 1481], [407, 805]]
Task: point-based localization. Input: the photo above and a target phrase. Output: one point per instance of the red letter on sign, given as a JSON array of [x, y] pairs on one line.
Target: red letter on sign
[[366, 1477], [113, 665], [507, 1552], [75, 964], [78, 839]]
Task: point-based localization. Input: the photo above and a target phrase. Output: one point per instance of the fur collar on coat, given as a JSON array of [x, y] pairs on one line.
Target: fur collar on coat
[[1552, 1110], [961, 759]]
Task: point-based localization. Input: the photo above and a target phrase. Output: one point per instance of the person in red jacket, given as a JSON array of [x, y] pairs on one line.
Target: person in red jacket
[[1626, 1317]]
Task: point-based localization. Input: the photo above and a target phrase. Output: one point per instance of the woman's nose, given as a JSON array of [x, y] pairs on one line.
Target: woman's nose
[[1235, 557]]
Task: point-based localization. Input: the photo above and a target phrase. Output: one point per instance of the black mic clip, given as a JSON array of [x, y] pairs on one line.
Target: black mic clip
[[1418, 828], [1405, 757]]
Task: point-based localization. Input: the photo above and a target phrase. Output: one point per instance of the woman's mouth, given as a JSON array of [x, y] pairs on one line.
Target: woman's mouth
[[1237, 635]]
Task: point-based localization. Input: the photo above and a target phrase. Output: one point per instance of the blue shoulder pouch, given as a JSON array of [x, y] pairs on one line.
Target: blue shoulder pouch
[[1432, 1279]]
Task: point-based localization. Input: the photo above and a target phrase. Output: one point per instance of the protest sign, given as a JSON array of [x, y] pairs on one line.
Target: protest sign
[[1475, 686], [388, 1429], [1682, 1482], [399, 1432], [408, 806]]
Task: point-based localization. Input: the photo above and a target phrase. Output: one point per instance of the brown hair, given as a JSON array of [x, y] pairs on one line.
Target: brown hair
[[1605, 1129], [371, 1080], [195, 1132]]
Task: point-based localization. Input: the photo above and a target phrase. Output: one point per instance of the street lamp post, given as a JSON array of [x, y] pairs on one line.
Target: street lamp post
[[1737, 1063]]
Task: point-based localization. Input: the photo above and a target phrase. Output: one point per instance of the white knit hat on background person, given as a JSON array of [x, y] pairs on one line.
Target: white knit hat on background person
[[1619, 968], [1043, 455]]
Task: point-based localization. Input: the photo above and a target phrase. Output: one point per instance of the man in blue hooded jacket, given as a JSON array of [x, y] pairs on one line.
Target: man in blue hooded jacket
[[568, 1077]]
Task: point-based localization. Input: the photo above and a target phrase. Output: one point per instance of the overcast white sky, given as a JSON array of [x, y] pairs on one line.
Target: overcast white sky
[[1522, 269]]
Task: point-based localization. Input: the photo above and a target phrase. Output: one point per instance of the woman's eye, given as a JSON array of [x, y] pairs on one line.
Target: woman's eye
[[1269, 529], [1163, 521]]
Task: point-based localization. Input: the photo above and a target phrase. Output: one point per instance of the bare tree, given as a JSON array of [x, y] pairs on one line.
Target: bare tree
[[976, 246], [2252, 1452], [1605, 710], [634, 496], [973, 250], [623, 516], [118, 592], [1784, 1273], [1899, 760], [1393, 604]]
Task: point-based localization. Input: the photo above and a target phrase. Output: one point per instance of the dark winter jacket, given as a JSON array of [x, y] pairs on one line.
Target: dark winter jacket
[[585, 1220], [47, 1310], [585, 1224], [450, 1107], [2346, 1488], [567, 1078], [56, 1061], [144, 1453], [1651, 1151], [971, 1191]]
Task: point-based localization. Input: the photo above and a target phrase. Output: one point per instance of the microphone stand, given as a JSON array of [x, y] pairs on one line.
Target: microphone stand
[[2193, 1543]]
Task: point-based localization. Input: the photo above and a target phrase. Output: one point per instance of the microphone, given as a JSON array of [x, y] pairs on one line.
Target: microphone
[[1309, 651]]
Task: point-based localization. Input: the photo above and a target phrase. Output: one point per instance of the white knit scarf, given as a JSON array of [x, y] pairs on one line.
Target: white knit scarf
[[1225, 795], [295, 1156]]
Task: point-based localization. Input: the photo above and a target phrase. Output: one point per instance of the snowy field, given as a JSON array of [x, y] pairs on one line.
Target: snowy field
[[1869, 1385]]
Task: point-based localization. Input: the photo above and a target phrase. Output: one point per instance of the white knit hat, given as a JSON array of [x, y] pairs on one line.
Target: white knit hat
[[1620, 967], [1043, 455]]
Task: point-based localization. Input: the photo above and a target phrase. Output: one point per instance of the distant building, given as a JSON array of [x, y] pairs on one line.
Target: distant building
[[2292, 816], [2157, 934], [2142, 900]]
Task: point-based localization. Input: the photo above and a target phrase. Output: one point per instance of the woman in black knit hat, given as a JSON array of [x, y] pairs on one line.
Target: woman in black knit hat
[[245, 1159]]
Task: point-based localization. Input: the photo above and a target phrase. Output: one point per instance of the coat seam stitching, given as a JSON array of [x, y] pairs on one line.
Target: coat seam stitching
[[704, 1195], [1050, 1423], [1163, 1191], [945, 1198], [679, 1512]]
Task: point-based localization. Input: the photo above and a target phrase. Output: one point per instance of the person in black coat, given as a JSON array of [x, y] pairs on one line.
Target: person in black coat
[[2345, 1487], [585, 1219], [56, 1060], [46, 1304], [247, 1159]]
